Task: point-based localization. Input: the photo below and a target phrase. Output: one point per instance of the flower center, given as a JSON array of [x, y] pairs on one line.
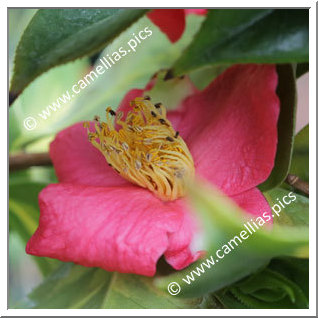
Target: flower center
[[145, 149]]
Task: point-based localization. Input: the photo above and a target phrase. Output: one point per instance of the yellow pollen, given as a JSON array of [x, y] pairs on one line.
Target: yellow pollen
[[144, 148]]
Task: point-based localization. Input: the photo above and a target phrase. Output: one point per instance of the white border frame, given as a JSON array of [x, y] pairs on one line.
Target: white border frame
[[175, 312]]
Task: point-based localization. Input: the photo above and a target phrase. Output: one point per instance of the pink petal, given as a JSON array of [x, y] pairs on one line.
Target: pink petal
[[179, 255], [170, 21], [117, 229], [254, 203], [196, 11], [76, 160], [231, 127]]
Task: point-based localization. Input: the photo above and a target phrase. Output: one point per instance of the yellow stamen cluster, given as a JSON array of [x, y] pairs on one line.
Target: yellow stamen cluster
[[144, 148]]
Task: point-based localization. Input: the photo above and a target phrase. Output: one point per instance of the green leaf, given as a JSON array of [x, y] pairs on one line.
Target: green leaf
[[231, 36], [132, 291], [286, 91], [42, 92], [24, 216], [295, 213], [300, 160], [74, 286], [57, 36], [222, 220], [283, 284], [15, 30], [266, 290], [295, 269]]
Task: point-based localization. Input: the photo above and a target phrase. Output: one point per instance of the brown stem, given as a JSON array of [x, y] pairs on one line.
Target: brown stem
[[26, 160], [297, 183]]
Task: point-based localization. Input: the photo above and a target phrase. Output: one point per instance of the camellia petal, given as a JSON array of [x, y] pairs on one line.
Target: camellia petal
[[231, 127], [178, 254], [76, 161], [115, 228], [172, 21], [254, 203], [196, 11], [100, 219], [169, 21]]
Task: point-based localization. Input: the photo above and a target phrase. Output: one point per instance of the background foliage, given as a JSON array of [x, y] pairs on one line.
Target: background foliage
[[256, 276]]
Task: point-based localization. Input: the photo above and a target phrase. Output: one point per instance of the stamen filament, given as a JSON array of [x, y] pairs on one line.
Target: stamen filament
[[146, 150]]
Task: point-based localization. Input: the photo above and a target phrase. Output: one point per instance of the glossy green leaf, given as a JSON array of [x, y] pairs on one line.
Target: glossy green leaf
[[286, 91], [74, 286], [57, 36], [221, 221], [15, 30], [231, 36], [300, 160], [24, 215]]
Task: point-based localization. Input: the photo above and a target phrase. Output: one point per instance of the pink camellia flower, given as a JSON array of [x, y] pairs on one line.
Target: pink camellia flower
[[124, 215], [172, 21]]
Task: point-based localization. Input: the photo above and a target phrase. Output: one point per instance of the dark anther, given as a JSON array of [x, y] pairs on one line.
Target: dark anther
[[169, 75], [147, 97], [169, 138], [112, 112], [176, 135], [110, 164], [158, 105], [162, 121], [153, 114]]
